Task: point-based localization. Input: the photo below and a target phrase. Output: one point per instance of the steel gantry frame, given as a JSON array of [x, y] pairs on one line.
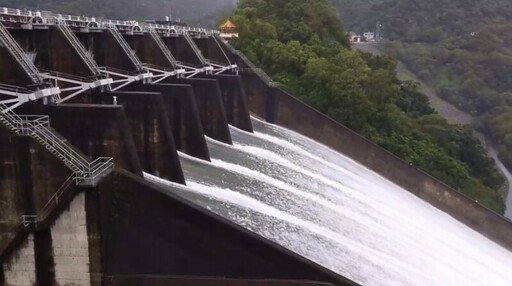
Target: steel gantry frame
[[15, 96], [84, 171], [105, 77]]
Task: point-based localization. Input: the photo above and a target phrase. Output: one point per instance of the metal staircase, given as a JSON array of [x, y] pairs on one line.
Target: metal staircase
[[126, 48], [194, 47], [45, 212], [38, 127], [156, 37], [73, 40], [17, 52]]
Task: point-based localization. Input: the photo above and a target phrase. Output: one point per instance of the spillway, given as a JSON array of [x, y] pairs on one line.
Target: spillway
[[334, 211]]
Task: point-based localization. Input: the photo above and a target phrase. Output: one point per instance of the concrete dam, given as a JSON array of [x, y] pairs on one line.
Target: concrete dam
[[156, 154]]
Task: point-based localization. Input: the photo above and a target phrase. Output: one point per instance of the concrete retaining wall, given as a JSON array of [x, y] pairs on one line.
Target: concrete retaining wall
[[70, 245], [13, 177], [20, 268], [176, 237], [191, 281], [30, 176]]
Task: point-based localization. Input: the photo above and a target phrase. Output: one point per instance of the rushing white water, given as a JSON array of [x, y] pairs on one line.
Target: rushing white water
[[330, 209]]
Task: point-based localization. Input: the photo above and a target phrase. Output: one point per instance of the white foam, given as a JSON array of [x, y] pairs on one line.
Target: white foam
[[371, 230]]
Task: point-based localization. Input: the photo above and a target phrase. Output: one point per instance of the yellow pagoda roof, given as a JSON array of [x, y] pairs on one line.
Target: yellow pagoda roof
[[227, 25]]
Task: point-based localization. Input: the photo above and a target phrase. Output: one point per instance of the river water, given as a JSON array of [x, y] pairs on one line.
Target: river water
[[334, 211]]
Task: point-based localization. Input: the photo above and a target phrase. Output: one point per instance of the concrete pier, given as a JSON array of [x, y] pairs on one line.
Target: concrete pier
[[211, 50], [53, 51], [184, 116], [148, 118], [181, 50], [20, 268], [235, 101], [211, 107]]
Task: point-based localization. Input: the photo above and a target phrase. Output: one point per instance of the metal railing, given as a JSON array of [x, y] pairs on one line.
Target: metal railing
[[58, 146], [231, 48], [16, 12], [262, 74], [79, 48], [38, 127], [14, 88], [54, 200], [119, 71], [22, 124], [19, 55], [153, 67], [165, 50], [62, 75], [196, 49], [126, 48], [25, 16], [99, 168], [27, 220], [252, 67]]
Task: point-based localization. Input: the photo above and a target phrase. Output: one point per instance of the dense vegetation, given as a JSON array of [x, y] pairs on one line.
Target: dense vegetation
[[204, 12], [463, 49], [303, 46]]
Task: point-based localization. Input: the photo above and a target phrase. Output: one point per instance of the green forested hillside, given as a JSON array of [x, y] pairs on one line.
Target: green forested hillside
[[302, 45], [204, 12], [462, 48]]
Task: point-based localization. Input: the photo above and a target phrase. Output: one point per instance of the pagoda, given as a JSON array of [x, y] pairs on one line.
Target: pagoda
[[228, 30]]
